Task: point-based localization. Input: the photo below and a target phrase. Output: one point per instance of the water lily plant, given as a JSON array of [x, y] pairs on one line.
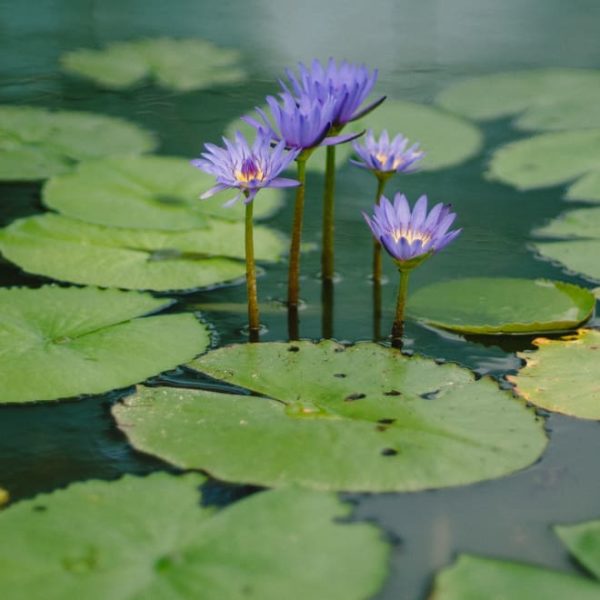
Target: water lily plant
[[346, 87], [302, 124], [384, 158], [247, 169], [410, 237]]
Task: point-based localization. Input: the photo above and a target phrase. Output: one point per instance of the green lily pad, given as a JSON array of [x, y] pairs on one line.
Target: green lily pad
[[583, 542], [562, 375], [551, 159], [545, 99], [76, 252], [36, 143], [477, 578], [579, 252], [150, 538], [324, 421], [176, 64], [446, 139], [502, 305], [62, 342], [146, 192]]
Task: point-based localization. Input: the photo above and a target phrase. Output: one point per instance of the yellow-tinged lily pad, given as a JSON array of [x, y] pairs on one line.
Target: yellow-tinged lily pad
[[4, 497], [152, 538], [77, 252], [323, 421], [62, 342], [562, 375], [147, 192], [543, 99], [36, 143], [177, 64]]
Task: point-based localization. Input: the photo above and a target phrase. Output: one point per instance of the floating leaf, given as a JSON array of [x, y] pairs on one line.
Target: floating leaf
[[502, 305], [61, 342], [327, 422], [545, 99], [146, 192], [583, 542], [69, 250], [476, 578], [562, 375], [177, 64], [150, 538], [581, 223], [446, 139], [36, 143]]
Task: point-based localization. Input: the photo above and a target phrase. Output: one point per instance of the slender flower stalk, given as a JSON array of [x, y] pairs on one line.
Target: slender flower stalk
[[247, 169], [301, 123], [348, 85], [410, 238]]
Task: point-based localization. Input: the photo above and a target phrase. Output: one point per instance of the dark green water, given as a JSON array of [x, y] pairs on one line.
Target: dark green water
[[419, 48]]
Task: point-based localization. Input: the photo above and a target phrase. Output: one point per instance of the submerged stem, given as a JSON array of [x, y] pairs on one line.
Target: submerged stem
[[398, 327], [294, 267], [253, 316], [327, 260]]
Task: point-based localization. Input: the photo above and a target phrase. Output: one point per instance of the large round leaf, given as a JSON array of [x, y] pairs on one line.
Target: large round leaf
[[146, 192], [551, 159], [181, 65], [582, 223], [502, 305], [446, 139], [476, 578], [149, 538], [73, 251], [61, 342], [562, 375], [36, 143], [359, 418], [543, 99]]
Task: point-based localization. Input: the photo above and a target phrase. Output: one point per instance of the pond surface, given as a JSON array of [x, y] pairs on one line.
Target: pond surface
[[419, 49]]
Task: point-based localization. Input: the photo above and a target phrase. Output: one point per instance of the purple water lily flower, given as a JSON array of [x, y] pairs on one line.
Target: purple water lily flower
[[410, 237], [301, 123], [385, 157], [248, 169], [347, 84]]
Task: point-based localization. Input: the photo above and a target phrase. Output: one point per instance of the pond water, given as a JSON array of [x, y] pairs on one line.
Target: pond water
[[419, 48]]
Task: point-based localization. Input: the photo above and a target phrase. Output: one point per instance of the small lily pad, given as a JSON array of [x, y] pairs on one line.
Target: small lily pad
[[176, 64], [146, 192], [150, 538], [478, 578], [446, 139], [62, 342], [502, 305], [77, 252], [580, 244], [551, 159], [324, 421], [36, 143], [562, 375], [545, 99]]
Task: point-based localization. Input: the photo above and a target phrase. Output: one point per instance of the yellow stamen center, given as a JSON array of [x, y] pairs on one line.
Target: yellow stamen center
[[410, 235], [382, 157], [249, 175]]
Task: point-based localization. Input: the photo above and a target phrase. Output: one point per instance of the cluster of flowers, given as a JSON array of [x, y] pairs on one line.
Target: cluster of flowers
[[312, 110]]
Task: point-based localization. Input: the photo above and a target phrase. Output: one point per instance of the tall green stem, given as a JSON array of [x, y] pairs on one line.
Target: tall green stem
[[294, 267], [327, 261], [253, 316], [381, 181], [398, 327]]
